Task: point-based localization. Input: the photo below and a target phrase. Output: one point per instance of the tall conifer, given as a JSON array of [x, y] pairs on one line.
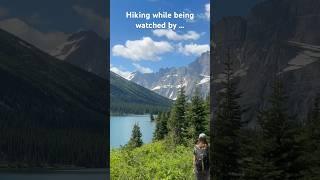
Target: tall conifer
[[226, 142], [177, 122], [278, 152]]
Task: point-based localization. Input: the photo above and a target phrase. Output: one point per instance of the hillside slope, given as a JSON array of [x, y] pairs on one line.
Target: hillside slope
[[128, 97], [50, 108]]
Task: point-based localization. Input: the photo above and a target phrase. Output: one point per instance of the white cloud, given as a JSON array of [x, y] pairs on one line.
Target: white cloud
[[193, 49], [207, 11], [144, 49], [172, 35], [43, 40], [141, 68], [206, 14], [93, 20], [123, 73]]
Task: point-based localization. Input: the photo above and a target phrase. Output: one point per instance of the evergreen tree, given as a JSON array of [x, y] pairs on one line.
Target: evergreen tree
[[161, 126], [277, 151], [135, 140], [227, 124], [312, 142], [177, 124], [151, 117], [197, 115], [208, 113]]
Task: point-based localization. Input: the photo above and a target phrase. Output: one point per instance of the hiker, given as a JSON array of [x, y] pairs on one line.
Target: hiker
[[201, 158]]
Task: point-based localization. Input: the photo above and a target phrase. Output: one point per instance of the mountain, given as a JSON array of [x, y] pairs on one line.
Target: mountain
[[45, 41], [128, 97], [167, 81], [50, 108], [277, 38], [85, 49]]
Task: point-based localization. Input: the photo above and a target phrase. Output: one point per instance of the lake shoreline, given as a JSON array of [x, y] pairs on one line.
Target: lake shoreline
[[54, 170], [121, 129], [121, 115]]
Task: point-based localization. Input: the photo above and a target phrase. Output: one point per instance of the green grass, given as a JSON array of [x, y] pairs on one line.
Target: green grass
[[152, 161]]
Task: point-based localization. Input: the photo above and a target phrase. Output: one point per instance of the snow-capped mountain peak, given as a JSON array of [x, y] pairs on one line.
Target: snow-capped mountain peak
[[168, 81]]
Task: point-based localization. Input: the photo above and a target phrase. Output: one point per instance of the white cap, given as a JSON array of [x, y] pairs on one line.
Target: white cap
[[202, 135]]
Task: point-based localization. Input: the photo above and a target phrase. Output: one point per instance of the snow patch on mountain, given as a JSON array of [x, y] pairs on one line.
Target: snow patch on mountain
[[309, 54], [67, 48], [156, 88], [168, 81], [171, 95], [206, 79], [131, 76]]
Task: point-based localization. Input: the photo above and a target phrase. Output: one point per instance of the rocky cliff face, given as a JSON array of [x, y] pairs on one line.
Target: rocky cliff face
[[278, 38], [167, 81]]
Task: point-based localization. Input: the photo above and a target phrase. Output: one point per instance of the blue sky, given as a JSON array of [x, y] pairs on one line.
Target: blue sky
[[148, 50]]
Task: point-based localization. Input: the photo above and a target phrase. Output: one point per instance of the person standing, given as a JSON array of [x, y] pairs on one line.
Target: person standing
[[201, 158]]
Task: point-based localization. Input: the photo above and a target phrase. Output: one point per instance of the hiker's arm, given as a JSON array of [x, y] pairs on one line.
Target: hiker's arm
[[194, 160]]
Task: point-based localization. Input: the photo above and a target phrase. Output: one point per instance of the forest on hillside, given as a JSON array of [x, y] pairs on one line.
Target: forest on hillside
[[127, 97], [52, 114], [279, 147]]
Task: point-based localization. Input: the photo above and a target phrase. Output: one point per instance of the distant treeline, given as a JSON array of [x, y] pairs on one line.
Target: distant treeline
[[56, 148], [29, 140], [136, 108]]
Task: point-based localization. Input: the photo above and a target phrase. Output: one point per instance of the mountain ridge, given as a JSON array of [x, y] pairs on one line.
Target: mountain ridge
[[167, 81]]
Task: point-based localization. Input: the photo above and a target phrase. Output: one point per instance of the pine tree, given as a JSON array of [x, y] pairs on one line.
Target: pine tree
[[177, 124], [277, 151], [197, 115], [136, 137], [312, 143], [161, 127], [208, 113], [227, 124], [151, 117]]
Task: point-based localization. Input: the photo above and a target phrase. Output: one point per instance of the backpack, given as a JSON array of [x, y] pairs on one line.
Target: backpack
[[201, 159]]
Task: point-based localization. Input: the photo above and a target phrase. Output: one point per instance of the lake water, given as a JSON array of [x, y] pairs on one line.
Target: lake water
[[120, 133], [121, 128], [56, 175]]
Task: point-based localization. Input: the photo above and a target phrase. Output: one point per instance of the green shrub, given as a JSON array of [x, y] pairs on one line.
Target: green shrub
[[152, 161]]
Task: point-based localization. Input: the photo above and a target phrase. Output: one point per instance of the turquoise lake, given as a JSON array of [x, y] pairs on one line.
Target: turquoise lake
[[121, 128]]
